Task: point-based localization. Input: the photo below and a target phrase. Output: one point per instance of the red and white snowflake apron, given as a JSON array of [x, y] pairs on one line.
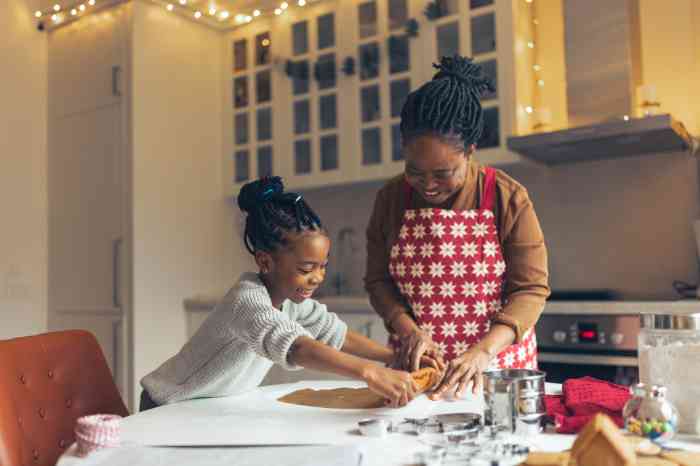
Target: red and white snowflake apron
[[449, 267]]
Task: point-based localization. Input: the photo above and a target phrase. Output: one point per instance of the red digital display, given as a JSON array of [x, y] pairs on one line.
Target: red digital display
[[588, 332]]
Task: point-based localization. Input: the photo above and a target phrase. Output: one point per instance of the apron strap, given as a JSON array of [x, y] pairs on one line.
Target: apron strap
[[408, 195], [488, 197]]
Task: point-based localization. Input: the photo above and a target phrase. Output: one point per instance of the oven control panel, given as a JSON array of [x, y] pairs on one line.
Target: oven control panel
[[602, 332]]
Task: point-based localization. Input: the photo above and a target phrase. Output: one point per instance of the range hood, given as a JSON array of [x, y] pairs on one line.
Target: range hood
[[603, 69]]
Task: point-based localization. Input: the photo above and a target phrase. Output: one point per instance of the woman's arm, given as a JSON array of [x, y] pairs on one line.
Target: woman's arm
[[397, 387]]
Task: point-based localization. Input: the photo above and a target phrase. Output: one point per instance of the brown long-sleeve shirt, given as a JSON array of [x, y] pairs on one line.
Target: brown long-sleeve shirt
[[519, 231]]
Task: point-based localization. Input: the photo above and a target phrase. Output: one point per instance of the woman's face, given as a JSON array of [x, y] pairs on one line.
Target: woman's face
[[434, 168], [296, 270]]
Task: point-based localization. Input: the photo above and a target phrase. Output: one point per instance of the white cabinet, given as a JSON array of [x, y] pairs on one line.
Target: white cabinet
[[88, 261], [333, 77]]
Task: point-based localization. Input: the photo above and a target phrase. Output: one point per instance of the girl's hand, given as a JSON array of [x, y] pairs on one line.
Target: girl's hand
[[397, 387], [466, 368], [417, 348]]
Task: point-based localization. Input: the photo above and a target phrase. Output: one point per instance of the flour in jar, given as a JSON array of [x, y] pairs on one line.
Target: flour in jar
[[675, 365]]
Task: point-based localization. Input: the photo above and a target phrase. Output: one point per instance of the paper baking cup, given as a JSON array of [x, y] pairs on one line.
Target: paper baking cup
[[96, 432]]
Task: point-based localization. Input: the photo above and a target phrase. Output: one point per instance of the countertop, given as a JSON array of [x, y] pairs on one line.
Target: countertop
[[359, 304], [255, 421]]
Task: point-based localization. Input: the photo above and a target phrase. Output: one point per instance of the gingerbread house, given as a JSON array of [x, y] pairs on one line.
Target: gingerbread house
[[601, 443]]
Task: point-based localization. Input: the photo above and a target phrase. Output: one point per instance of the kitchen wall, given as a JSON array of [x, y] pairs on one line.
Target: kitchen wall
[[624, 224], [184, 229], [23, 243]]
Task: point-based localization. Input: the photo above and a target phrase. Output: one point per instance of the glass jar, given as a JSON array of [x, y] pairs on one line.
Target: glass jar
[[649, 414], [669, 349]]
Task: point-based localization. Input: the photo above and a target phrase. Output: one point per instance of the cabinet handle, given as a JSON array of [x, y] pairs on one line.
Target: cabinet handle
[[116, 347], [116, 92], [116, 247]]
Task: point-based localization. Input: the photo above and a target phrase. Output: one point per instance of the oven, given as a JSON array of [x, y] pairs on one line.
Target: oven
[[582, 344]]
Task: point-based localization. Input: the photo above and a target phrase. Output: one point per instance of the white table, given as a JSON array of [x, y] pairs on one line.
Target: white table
[[255, 429]]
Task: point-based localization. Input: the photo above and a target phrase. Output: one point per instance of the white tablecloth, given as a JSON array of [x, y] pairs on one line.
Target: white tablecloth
[[241, 430]]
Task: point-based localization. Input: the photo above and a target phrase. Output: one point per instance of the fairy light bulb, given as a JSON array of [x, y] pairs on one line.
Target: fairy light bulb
[[170, 7], [540, 82], [301, 2], [223, 15], [284, 5], [37, 14], [183, 2], [528, 109], [531, 44], [73, 12], [57, 7], [278, 11], [536, 67], [91, 2], [256, 13], [81, 7], [55, 18], [197, 14], [212, 10]]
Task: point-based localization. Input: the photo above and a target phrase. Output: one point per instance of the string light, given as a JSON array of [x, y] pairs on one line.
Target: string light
[[528, 109], [73, 10], [540, 82], [531, 44]]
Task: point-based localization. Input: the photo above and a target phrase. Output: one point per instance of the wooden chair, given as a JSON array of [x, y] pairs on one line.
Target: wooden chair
[[47, 382]]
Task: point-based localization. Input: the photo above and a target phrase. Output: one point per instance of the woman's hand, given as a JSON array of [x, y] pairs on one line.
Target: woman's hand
[[417, 350], [397, 387], [466, 368]]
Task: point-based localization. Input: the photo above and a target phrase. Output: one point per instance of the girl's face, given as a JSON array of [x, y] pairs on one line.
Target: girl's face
[[435, 169], [295, 270]]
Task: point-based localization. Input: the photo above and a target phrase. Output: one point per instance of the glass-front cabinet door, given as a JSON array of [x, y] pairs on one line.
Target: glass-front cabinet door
[[316, 92]]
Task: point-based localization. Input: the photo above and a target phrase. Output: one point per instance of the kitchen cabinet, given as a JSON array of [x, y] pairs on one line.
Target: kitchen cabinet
[[136, 207], [339, 72], [88, 197]]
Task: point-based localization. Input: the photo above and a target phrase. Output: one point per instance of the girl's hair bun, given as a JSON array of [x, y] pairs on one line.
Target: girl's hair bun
[[259, 191], [465, 71]]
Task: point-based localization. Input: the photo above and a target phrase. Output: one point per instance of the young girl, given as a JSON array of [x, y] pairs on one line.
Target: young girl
[[269, 317]]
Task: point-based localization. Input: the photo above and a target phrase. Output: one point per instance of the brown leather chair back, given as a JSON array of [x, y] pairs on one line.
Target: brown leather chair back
[[46, 382]]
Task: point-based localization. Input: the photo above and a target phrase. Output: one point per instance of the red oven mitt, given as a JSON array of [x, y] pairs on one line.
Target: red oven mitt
[[581, 399]]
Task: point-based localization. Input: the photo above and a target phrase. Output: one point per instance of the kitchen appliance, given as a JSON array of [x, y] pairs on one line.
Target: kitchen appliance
[[601, 99], [669, 349], [589, 338], [514, 400]]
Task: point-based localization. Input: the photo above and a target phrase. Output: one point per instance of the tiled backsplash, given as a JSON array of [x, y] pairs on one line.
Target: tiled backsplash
[[624, 224]]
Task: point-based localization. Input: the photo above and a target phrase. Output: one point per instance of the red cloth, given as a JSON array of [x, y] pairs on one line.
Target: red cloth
[[581, 399]]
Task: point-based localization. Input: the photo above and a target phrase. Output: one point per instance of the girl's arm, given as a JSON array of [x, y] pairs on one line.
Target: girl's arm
[[397, 387], [359, 345]]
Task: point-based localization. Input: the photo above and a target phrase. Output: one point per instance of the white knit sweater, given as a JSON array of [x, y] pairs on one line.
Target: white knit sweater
[[238, 343]]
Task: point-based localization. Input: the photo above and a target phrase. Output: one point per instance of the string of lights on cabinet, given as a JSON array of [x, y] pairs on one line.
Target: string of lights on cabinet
[[542, 117], [61, 13]]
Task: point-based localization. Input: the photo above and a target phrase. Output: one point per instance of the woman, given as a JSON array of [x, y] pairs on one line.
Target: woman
[[456, 260]]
